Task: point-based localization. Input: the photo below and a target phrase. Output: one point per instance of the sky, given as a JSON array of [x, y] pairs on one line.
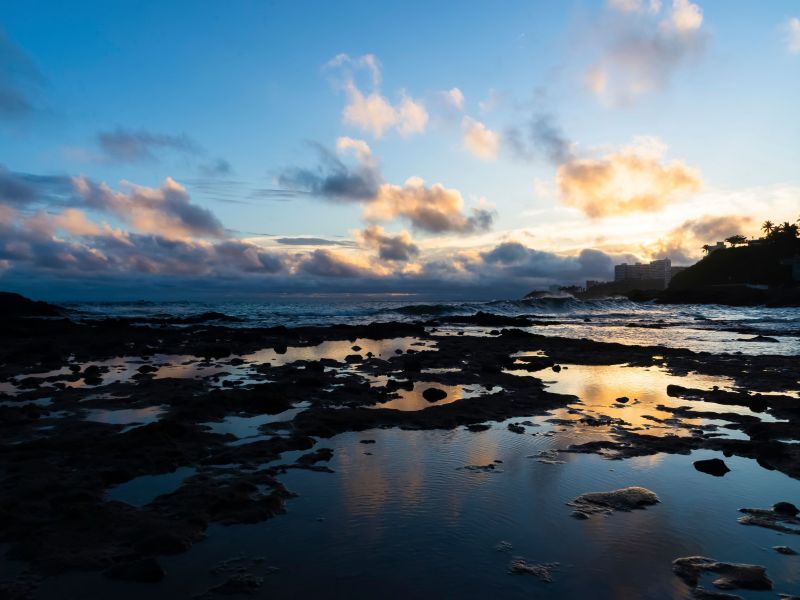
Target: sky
[[245, 149]]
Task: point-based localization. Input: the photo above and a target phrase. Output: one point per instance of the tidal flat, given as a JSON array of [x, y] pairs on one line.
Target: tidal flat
[[438, 456]]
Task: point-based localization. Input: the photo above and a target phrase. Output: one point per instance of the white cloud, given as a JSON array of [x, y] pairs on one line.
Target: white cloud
[[481, 141], [454, 97], [372, 111], [793, 35], [642, 49]]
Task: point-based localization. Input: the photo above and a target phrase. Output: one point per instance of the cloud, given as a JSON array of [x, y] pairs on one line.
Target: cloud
[[127, 146], [371, 111], [326, 263], [684, 243], [333, 179], [481, 141], [392, 248], [166, 211], [310, 241], [540, 137], [792, 28], [20, 80], [434, 209], [640, 53], [69, 243], [635, 6], [512, 259], [491, 102], [632, 179], [454, 97], [218, 167]]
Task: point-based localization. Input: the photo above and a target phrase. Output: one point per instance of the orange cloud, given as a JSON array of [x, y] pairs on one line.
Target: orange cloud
[[632, 179], [481, 141]]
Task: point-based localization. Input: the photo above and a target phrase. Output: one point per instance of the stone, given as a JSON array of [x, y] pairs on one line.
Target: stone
[[432, 394], [712, 466]]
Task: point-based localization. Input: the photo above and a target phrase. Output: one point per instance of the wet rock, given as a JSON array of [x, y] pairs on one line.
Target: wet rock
[[366, 441], [781, 518], [280, 348], [760, 338], [623, 400], [503, 546], [145, 369], [785, 550], [514, 428], [542, 571], [712, 466], [239, 583], [432, 394], [785, 508], [624, 499], [163, 543], [556, 368], [490, 468], [731, 575], [478, 427], [145, 570], [353, 358], [700, 593]]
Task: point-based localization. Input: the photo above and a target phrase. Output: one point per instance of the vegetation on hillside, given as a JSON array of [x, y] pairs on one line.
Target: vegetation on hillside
[[757, 262]]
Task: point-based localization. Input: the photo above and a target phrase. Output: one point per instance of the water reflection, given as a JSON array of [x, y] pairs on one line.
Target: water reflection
[[126, 416], [413, 399]]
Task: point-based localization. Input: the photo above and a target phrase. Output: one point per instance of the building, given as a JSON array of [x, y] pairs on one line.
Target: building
[[590, 283], [660, 270], [717, 246]]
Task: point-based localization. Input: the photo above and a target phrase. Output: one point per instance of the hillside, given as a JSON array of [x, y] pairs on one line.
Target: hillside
[[759, 265]]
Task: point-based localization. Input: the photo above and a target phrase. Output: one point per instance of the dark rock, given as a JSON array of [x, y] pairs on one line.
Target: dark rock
[[543, 571], [353, 358], [366, 441], [476, 427], [162, 543], [712, 466], [15, 305], [785, 550], [623, 400], [145, 570], [556, 368], [785, 508], [432, 394], [514, 428], [731, 575], [625, 499]]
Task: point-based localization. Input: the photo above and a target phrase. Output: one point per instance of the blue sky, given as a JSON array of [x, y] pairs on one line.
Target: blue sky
[[688, 109]]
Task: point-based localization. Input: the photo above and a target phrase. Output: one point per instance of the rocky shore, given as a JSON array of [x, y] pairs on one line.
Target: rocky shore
[[57, 465]]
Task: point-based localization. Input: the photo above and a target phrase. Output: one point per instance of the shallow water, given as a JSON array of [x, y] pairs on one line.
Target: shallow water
[[406, 520], [413, 399], [143, 490]]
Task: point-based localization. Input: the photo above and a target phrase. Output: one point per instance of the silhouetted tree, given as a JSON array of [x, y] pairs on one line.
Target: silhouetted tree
[[735, 240], [768, 227], [706, 248]]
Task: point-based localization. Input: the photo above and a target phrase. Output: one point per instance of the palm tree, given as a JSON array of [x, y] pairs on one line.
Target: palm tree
[[768, 227], [706, 248]]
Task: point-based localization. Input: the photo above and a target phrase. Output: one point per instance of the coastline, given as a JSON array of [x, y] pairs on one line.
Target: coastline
[[61, 464]]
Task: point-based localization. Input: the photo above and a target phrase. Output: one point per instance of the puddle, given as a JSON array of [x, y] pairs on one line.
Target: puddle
[[183, 366], [126, 416], [143, 490], [599, 388], [247, 428], [410, 400]]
